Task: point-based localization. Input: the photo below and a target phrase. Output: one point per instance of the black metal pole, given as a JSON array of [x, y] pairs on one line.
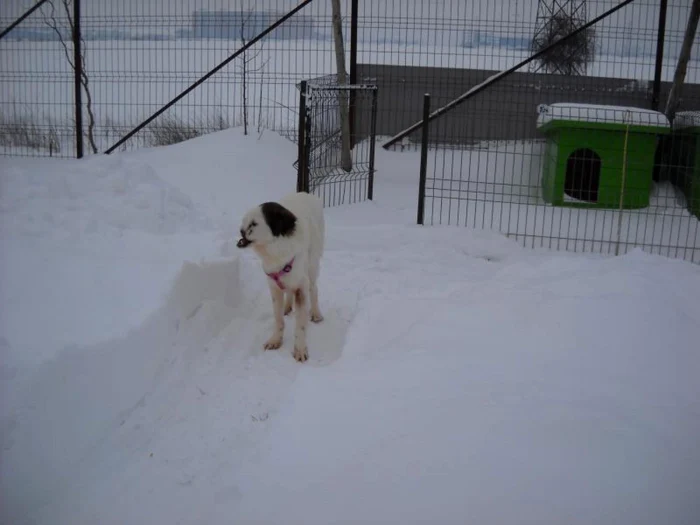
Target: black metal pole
[[372, 140], [501, 75], [249, 44], [423, 158], [19, 20], [354, 17], [661, 34], [302, 136], [307, 149], [78, 62]]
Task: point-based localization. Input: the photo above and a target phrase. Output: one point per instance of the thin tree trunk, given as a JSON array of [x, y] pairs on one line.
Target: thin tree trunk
[[245, 81], [346, 157], [679, 77], [260, 97]]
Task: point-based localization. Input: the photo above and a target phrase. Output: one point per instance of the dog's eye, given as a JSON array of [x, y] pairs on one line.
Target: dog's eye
[[253, 224]]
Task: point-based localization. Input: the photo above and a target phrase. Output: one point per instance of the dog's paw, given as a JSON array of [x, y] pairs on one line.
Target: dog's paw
[[273, 343], [316, 317], [301, 354]]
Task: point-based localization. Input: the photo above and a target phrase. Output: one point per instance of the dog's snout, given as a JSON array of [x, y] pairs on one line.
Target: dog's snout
[[243, 241]]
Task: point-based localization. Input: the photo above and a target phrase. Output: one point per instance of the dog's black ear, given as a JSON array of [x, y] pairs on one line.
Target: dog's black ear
[[280, 220]]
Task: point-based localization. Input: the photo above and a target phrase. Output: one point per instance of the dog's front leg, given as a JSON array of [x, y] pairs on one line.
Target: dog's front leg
[[278, 309], [301, 295], [289, 299]]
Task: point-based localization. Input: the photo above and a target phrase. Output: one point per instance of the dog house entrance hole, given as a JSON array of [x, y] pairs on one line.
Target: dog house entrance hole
[[583, 175]]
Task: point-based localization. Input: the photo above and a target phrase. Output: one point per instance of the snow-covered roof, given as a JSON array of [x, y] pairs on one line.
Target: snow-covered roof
[[686, 119], [600, 113]]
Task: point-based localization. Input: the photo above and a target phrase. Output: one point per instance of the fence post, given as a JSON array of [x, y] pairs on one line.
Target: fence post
[[661, 35], [423, 158], [301, 155], [307, 144], [78, 62], [354, 16], [621, 208], [372, 140]]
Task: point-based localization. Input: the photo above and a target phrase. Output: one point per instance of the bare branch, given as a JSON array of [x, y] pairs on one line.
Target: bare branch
[[53, 24]]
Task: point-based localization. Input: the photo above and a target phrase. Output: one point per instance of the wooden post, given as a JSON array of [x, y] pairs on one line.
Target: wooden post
[[345, 158], [679, 77]]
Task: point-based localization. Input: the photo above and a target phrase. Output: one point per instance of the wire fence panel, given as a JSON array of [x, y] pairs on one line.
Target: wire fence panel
[[340, 172], [444, 47], [37, 111], [140, 55], [565, 161], [491, 164]]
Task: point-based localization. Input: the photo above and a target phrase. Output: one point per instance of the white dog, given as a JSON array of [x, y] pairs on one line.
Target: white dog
[[288, 237]]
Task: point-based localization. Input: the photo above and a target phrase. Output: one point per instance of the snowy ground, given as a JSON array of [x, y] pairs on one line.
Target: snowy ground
[[457, 378]]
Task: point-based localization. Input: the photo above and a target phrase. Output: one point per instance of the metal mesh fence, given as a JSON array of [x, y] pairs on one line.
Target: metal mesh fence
[[339, 172], [445, 47], [139, 55], [601, 179], [571, 162], [36, 83], [491, 163]]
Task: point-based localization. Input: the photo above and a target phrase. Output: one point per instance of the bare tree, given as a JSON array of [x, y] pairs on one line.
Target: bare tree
[[245, 66], [570, 57], [682, 66], [51, 21], [346, 157]]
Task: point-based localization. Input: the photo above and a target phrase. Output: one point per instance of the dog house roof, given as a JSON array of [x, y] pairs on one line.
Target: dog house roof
[[600, 114]]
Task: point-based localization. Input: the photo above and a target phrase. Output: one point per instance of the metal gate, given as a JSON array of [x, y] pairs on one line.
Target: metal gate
[[336, 155]]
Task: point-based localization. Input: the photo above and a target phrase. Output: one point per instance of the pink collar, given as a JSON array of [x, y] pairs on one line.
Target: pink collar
[[277, 276]]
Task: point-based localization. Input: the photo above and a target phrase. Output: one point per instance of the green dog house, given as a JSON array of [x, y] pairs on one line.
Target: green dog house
[[686, 165], [585, 152]]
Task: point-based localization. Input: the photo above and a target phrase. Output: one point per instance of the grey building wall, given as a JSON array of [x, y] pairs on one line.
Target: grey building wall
[[507, 110]]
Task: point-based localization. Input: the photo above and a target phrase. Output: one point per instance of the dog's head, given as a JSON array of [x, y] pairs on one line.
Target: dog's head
[[266, 222]]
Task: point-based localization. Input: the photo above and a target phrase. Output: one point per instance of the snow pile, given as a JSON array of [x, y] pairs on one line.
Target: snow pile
[[456, 377], [94, 196], [86, 252]]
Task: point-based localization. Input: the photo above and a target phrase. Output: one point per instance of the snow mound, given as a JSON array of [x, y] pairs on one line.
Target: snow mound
[[119, 390], [93, 196]]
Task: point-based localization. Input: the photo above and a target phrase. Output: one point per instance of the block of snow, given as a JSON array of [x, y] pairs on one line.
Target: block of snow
[[600, 114], [686, 119]]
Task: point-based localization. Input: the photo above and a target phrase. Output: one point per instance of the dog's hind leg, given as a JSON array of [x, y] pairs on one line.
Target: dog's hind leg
[[289, 300], [278, 309], [301, 295], [316, 316]]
